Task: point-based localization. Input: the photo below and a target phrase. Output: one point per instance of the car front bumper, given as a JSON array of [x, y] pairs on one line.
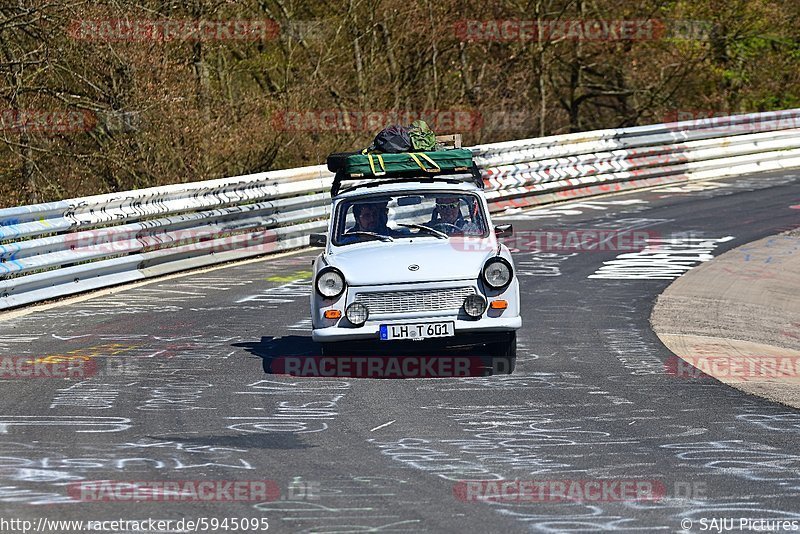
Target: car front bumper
[[371, 329]]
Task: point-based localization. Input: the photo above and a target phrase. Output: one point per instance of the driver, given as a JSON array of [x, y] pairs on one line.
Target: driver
[[447, 215], [448, 218], [447, 210], [370, 218]]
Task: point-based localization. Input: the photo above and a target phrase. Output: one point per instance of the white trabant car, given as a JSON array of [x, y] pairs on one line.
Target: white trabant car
[[412, 261]]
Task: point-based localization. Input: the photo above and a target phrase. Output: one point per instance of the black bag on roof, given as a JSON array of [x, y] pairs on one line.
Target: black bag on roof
[[338, 160], [391, 140]]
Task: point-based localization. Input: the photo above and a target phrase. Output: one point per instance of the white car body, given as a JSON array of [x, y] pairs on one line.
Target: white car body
[[417, 279]]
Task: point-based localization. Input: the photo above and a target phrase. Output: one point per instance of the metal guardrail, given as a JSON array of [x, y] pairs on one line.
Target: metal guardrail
[[62, 248]]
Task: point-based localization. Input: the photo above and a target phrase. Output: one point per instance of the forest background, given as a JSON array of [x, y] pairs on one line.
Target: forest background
[[108, 96]]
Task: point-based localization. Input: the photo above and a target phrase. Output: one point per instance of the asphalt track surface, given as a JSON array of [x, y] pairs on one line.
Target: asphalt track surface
[[180, 394]]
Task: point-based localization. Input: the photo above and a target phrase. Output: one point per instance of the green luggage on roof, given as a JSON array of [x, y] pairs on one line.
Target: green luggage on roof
[[403, 163]]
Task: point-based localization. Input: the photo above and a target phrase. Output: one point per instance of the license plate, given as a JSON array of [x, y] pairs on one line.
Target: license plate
[[417, 331]]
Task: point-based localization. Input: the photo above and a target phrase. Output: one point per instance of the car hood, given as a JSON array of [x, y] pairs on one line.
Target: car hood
[[388, 263]]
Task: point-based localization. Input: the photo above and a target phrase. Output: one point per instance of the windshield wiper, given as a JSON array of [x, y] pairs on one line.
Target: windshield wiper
[[437, 233], [370, 234]]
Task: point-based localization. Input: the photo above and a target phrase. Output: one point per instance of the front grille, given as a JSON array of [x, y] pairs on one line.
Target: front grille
[[417, 300]]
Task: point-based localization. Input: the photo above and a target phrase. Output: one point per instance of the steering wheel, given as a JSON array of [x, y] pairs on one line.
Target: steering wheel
[[443, 226]]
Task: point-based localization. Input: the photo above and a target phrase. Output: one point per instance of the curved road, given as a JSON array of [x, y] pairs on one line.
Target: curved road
[[174, 390]]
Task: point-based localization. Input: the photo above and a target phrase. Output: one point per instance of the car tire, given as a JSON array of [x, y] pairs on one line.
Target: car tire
[[504, 355]]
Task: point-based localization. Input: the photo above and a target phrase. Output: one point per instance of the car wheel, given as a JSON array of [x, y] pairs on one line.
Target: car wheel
[[504, 355]]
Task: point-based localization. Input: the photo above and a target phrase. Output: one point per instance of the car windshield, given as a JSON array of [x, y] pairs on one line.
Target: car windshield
[[434, 215]]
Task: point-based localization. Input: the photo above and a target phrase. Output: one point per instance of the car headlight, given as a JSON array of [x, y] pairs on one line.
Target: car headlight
[[475, 305], [330, 283], [497, 273], [357, 313]]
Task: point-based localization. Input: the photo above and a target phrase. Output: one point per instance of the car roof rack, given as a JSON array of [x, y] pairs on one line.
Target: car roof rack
[[455, 177]]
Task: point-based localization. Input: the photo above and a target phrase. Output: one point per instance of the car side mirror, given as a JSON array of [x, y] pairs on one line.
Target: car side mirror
[[318, 240], [504, 230]]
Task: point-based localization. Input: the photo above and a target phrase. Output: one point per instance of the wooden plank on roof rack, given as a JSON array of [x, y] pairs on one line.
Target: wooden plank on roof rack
[[450, 140]]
